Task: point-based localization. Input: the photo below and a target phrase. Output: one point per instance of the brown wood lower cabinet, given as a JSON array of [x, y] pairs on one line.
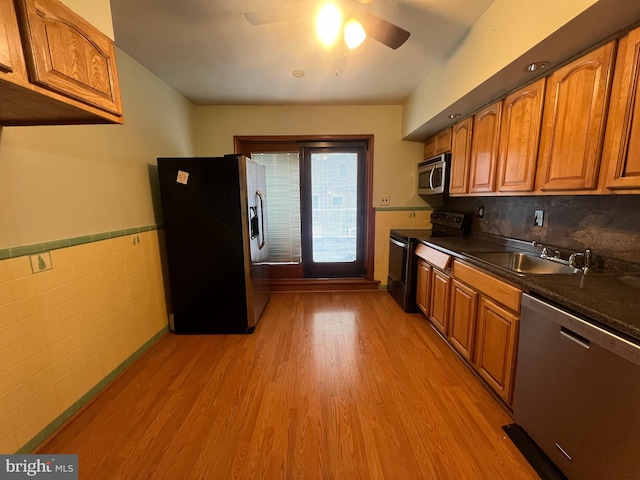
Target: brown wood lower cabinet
[[495, 356], [477, 313], [483, 322], [462, 318], [439, 304], [423, 289]]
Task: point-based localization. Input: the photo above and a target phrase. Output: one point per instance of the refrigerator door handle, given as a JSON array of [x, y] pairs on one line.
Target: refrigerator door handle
[[261, 230]]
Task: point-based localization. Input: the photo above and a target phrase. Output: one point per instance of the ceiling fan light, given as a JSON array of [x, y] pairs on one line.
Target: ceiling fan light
[[328, 24], [354, 33]]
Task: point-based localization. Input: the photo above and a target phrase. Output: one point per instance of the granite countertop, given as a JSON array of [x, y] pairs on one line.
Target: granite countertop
[[610, 300]]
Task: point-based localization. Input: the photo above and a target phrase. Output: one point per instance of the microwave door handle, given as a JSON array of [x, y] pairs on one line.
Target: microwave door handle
[[433, 170]]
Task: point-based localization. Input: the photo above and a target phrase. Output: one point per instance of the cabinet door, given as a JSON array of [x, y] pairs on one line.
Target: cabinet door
[[520, 138], [484, 149], [443, 141], [430, 148], [11, 61], [496, 344], [460, 156], [621, 155], [5, 52], [439, 304], [423, 289], [574, 117], [68, 55], [462, 318]]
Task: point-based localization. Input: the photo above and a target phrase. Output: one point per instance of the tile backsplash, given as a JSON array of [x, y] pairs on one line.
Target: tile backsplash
[[607, 224], [388, 219]]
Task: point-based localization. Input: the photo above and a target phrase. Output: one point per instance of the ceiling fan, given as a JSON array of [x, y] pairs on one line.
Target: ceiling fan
[[374, 26]]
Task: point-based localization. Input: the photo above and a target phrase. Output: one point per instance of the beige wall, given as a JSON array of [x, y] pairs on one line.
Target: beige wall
[[65, 331], [66, 181], [394, 164], [96, 12], [395, 160]]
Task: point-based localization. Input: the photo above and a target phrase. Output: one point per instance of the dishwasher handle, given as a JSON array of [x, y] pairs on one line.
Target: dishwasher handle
[[581, 330], [574, 337]]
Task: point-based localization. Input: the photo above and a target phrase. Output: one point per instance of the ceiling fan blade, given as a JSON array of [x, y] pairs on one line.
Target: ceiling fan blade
[[383, 31], [273, 15]]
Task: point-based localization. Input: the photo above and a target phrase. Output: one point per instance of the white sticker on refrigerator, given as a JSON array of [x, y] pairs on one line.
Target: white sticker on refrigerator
[[183, 177]]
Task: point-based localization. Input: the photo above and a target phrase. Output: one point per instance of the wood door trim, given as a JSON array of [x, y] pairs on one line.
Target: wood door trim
[[370, 227]]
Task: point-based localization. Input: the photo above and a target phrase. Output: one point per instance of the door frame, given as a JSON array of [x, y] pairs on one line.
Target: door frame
[[243, 144]]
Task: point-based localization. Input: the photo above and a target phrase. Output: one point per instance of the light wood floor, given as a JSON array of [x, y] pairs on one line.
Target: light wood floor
[[331, 385]]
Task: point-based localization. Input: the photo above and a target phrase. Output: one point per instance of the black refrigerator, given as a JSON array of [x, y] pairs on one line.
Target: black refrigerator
[[215, 227]]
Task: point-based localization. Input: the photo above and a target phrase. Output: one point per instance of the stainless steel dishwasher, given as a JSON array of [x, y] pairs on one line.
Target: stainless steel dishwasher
[[577, 393]]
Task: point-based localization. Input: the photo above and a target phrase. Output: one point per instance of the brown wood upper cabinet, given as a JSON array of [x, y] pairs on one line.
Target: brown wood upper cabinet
[[438, 144], [430, 147], [62, 69], [6, 12], [573, 125], [520, 138], [621, 154], [460, 156], [484, 149]]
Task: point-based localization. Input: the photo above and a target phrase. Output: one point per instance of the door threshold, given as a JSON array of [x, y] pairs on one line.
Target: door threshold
[[322, 284]]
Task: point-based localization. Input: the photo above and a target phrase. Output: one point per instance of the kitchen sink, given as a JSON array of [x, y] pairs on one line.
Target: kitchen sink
[[525, 263]]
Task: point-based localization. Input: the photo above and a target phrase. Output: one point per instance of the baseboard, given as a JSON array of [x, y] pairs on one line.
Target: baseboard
[[61, 420], [322, 285]]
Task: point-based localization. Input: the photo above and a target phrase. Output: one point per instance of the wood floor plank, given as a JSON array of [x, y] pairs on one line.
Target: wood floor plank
[[330, 386]]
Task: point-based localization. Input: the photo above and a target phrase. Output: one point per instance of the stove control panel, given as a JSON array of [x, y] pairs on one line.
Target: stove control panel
[[449, 219]]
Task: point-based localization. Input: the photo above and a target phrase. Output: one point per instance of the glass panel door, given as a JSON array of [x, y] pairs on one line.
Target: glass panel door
[[333, 210], [283, 212]]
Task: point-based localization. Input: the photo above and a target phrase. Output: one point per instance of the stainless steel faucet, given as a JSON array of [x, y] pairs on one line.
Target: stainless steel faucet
[[545, 251], [587, 260], [549, 253]]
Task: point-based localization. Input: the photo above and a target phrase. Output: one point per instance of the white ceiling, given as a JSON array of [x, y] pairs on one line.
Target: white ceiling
[[207, 51]]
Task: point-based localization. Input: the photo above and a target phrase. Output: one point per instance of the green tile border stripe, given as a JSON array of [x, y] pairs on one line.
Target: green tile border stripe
[[401, 209], [46, 432], [24, 250]]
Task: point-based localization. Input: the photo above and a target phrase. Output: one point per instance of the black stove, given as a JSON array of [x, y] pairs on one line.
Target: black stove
[[401, 282]]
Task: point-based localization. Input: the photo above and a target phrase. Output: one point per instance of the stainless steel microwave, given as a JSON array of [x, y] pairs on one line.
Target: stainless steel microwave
[[433, 175]]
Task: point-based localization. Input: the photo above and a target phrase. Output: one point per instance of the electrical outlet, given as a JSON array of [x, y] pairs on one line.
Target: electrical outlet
[[40, 262], [385, 201], [538, 218]]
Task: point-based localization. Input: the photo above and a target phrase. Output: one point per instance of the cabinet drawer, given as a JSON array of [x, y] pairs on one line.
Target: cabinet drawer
[[502, 292], [433, 256]]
